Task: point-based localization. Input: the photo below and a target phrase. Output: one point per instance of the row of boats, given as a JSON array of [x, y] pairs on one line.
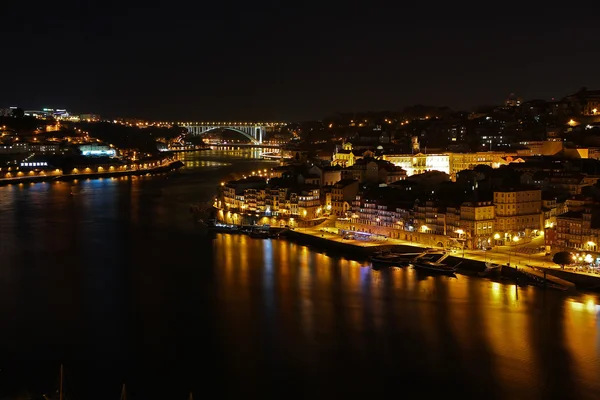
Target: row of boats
[[429, 261], [259, 232]]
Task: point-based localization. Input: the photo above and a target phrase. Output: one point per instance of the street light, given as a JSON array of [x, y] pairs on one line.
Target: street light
[[460, 233], [514, 239]]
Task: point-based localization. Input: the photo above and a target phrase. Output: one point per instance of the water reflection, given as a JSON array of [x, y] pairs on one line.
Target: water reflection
[[466, 332]]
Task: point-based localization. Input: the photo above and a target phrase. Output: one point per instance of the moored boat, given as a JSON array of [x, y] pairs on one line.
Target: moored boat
[[216, 226], [491, 268], [431, 266], [434, 266], [259, 234], [389, 259]]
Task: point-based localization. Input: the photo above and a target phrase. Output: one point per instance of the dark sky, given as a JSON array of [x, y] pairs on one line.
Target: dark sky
[[214, 59]]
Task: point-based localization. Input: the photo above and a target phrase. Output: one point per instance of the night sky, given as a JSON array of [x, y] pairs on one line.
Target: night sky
[[273, 61]]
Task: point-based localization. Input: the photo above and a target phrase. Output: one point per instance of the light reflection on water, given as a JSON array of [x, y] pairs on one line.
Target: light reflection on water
[[504, 338]]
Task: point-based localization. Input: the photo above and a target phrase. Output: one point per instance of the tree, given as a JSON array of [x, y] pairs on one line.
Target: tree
[[562, 258]]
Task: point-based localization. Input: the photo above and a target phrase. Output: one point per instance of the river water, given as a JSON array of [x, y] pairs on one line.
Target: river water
[[110, 278]]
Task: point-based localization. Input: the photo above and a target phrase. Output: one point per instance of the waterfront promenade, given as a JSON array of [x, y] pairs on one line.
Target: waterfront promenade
[[533, 264], [154, 168]]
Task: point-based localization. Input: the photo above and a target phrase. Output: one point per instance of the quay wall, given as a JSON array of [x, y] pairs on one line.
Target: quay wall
[[464, 266], [68, 177]]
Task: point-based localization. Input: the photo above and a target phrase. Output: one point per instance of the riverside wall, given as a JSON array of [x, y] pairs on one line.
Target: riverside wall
[[92, 175], [464, 265]]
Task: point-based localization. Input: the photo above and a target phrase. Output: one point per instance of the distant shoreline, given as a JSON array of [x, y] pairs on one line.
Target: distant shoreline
[[70, 177], [187, 150]]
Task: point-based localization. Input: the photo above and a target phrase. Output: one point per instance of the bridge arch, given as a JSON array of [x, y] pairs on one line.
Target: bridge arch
[[246, 135], [252, 132]]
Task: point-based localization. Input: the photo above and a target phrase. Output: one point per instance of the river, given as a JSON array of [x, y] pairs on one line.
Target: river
[[110, 278]]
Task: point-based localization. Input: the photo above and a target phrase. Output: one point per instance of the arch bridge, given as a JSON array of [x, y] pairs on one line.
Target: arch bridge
[[254, 131]]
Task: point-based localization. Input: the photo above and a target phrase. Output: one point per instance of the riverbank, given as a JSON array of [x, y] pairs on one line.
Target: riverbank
[[524, 275], [92, 175], [187, 150]]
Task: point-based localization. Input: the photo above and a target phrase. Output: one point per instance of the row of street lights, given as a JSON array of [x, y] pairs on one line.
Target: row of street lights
[[461, 232]]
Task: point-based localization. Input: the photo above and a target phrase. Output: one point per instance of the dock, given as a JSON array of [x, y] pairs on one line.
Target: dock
[[542, 276]]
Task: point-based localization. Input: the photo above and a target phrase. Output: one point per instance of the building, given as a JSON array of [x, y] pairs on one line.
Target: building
[[329, 175], [373, 170], [97, 150], [44, 148], [449, 163], [342, 194], [420, 163], [518, 212], [477, 224], [7, 112], [551, 208], [277, 202], [14, 148], [344, 157], [578, 230], [430, 218], [540, 148]]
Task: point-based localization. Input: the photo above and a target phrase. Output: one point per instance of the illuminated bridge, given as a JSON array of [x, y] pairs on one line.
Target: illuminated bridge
[[254, 131]]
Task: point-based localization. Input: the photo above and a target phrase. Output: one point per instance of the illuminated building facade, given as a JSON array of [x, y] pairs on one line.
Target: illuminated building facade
[[518, 211], [254, 200], [449, 163], [97, 150]]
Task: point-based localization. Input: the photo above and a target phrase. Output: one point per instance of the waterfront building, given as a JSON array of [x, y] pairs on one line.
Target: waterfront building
[[342, 194], [518, 212], [551, 208], [453, 221], [578, 230], [278, 201], [477, 224], [430, 217]]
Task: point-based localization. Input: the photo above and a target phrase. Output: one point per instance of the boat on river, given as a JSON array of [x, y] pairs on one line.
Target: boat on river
[[491, 268], [259, 234], [389, 259], [434, 266]]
